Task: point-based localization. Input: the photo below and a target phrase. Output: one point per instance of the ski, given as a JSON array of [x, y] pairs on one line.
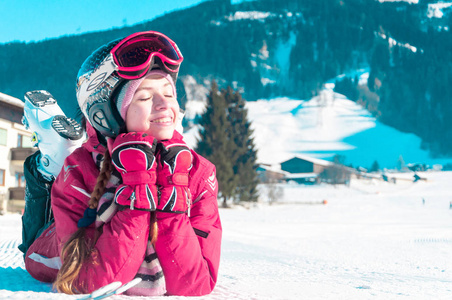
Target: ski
[[114, 288]]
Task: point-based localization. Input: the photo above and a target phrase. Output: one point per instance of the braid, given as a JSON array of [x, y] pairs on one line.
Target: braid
[[77, 250], [102, 180], [153, 228]]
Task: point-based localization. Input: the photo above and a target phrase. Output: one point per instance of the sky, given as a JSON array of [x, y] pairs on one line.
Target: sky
[[35, 20]]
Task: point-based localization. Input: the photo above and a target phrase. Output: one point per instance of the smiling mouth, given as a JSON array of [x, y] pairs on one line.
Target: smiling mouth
[[163, 120]]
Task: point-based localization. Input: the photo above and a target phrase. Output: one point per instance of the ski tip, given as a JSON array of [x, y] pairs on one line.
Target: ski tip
[[128, 285], [105, 290], [114, 288]]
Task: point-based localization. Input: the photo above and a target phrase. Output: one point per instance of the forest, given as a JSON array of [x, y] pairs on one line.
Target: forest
[[407, 53]]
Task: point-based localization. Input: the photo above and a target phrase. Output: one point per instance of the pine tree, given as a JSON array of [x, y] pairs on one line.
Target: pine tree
[[244, 155], [226, 140], [375, 167], [214, 142]]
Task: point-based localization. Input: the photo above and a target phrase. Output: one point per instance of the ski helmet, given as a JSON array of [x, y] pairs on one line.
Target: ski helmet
[[104, 73]]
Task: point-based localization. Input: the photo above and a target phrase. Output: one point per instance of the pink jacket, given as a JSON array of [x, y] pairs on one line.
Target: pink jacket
[[188, 248]]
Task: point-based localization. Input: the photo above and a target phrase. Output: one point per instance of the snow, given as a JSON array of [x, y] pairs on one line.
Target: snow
[[249, 15], [435, 9], [327, 125], [196, 96], [371, 240], [392, 42], [362, 75], [407, 1], [266, 81]]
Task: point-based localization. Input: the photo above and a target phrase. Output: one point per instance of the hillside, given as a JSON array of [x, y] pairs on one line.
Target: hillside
[[285, 48], [327, 125]]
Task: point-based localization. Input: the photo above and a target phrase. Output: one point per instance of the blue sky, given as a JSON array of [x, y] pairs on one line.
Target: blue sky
[[34, 20]]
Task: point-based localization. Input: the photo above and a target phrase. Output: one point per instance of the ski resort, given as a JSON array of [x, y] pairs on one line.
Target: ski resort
[[226, 149]]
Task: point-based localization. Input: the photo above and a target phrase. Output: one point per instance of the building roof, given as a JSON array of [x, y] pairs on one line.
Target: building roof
[[11, 100], [313, 160], [268, 167]]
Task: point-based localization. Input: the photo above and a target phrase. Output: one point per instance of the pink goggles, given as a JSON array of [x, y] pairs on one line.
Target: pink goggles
[[135, 54]]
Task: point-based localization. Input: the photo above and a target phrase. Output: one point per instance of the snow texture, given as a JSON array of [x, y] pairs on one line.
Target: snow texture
[[249, 15], [372, 240], [435, 10], [407, 1], [326, 125]]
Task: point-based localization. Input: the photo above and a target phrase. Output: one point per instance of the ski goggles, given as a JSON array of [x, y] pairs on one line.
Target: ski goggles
[[135, 55]]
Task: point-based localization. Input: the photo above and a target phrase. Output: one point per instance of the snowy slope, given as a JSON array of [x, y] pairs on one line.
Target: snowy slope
[[326, 125], [320, 127], [374, 240]]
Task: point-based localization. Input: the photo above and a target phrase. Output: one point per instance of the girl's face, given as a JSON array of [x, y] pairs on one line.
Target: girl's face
[[154, 109]]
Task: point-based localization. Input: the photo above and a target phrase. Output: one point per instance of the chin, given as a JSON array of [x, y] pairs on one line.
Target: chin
[[161, 136]]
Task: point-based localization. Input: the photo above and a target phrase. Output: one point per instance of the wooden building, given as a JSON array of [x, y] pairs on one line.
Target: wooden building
[[304, 169], [305, 164]]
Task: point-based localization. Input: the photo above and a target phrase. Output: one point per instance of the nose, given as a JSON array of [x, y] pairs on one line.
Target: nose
[[160, 101]]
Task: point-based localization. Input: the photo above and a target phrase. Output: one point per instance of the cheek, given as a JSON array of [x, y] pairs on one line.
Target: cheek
[[133, 118], [175, 107], [137, 110]]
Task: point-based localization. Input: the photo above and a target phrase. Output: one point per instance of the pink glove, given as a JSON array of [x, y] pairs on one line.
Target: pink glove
[[174, 163], [133, 156]]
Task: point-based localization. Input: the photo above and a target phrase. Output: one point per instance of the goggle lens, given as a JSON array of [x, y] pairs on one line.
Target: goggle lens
[[133, 56], [137, 51]]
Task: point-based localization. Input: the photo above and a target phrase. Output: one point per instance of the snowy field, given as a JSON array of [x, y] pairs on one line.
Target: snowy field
[[373, 240]]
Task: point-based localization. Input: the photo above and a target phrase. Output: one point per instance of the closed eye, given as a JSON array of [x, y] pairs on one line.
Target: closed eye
[[145, 98]]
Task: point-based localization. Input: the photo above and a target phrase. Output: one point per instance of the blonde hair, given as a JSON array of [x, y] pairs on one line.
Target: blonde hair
[[77, 249]]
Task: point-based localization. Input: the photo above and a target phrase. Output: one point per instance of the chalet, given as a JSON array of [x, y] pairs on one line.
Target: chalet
[[269, 173], [15, 146], [304, 169], [305, 164]]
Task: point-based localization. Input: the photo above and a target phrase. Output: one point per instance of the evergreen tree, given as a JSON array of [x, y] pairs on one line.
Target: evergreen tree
[[214, 142], [225, 139], [375, 166], [244, 155]]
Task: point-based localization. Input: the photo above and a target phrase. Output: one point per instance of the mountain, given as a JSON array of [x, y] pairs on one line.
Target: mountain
[[327, 125], [288, 48]]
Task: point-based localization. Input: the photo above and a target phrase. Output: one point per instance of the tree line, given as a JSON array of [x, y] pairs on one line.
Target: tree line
[[225, 138], [331, 37]]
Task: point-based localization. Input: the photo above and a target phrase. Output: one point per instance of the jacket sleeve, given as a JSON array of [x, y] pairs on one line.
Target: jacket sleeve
[[120, 249], [189, 247]]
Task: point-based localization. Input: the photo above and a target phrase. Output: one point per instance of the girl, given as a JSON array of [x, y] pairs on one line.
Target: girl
[[133, 201]]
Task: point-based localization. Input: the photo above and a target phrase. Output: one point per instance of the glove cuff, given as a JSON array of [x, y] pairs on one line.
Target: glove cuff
[[176, 179], [139, 177]]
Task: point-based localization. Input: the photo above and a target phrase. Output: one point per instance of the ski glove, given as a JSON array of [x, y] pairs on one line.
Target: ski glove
[[132, 155], [174, 163]]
